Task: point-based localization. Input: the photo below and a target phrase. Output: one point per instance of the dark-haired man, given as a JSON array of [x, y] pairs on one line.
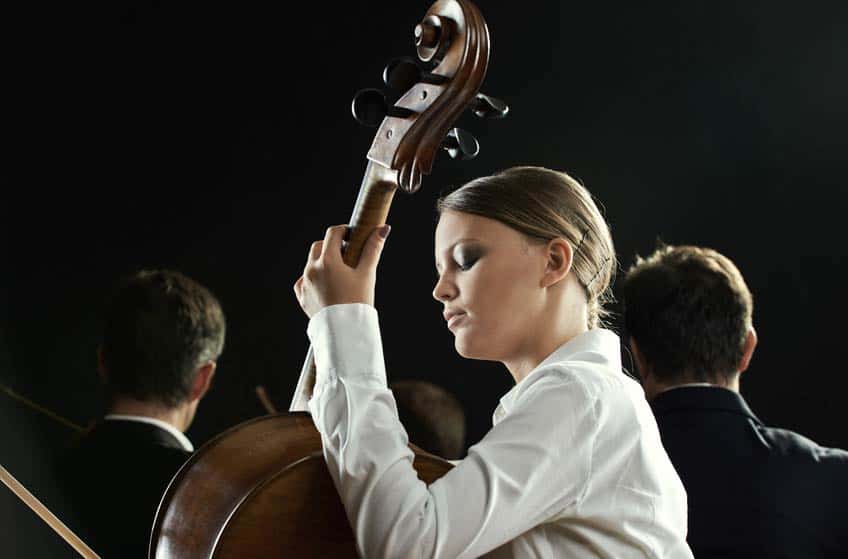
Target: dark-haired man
[[162, 335], [754, 491]]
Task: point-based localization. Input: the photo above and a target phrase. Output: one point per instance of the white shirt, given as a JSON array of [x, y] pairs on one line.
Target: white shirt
[[572, 468], [183, 440]]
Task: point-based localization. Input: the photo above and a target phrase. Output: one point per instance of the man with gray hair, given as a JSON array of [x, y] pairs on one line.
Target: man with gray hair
[[162, 335]]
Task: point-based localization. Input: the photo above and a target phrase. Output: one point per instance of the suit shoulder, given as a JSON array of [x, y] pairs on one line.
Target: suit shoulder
[[794, 445]]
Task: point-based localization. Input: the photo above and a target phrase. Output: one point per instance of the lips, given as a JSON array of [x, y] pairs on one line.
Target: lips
[[453, 317]]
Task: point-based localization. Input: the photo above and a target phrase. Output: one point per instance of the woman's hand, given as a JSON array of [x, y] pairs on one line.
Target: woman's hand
[[327, 280]]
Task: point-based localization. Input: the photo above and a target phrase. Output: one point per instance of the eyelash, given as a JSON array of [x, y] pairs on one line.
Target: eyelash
[[466, 266], [463, 267]]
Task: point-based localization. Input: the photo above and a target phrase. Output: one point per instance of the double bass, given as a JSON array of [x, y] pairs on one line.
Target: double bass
[[262, 489]]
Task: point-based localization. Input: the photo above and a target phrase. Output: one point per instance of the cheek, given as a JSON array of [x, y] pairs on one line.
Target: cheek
[[496, 328], [499, 300]]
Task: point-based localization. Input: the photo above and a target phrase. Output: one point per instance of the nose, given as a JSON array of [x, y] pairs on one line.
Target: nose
[[445, 289]]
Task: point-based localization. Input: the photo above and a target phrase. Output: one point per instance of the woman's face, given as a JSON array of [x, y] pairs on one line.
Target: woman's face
[[490, 285]]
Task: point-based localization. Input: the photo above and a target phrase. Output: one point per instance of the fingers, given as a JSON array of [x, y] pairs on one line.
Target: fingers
[[311, 262], [333, 241], [298, 290], [315, 250], [331, 246], [374, 247]]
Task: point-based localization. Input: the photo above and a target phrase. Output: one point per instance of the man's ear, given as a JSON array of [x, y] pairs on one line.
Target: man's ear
[[202, 381], [102, 370], [748, 351], [649, 383], [559, 258], [638, 358]]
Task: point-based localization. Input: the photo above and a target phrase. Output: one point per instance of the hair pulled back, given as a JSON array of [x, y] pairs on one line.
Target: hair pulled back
[[544, 204]]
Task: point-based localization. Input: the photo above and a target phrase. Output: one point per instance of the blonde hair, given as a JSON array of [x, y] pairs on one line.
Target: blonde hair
[[544, 204]]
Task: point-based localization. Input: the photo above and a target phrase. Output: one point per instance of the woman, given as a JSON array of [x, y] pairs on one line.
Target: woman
[[573, 466]]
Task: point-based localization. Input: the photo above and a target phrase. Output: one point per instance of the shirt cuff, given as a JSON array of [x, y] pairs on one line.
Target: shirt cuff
[[346, 342]]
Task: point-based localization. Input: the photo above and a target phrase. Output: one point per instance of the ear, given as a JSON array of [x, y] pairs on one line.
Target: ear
[[750, 345], [559, 258], [102, 370], [649, 384], [202, 381], [638, 358]]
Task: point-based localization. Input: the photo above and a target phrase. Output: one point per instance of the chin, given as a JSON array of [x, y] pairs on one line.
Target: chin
[[467, 349], [461, 347]]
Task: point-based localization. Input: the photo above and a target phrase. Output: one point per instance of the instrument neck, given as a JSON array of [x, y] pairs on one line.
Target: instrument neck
[[371, 208]]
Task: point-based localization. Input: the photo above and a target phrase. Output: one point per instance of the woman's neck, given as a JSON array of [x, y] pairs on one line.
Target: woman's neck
[[561, 314], [542, 343]]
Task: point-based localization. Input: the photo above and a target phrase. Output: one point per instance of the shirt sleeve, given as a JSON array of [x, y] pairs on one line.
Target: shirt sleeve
[[530, 468]]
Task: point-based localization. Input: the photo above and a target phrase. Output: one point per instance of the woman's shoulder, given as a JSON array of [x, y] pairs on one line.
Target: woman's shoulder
[[592, 378], [590, 361], [608, 391]]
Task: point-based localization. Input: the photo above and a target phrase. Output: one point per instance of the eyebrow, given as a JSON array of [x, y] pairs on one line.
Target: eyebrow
[[451, 247]]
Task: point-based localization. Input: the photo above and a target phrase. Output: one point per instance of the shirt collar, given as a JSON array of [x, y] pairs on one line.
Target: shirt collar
[[598, 346], [181, 438], [711, 397], [686, 385]]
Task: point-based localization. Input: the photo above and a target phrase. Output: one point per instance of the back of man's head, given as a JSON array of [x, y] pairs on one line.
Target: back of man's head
[[432, 416], [160, 326], [689, 311]]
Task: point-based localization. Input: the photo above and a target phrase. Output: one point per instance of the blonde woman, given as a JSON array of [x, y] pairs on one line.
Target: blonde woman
[[573, 465]]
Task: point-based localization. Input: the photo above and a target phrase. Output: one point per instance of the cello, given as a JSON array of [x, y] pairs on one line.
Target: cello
[[261, 489]]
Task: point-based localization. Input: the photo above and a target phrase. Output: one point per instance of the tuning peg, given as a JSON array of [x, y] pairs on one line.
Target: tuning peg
[[402, 73], [488, 107], [370, 107], [460, 144]]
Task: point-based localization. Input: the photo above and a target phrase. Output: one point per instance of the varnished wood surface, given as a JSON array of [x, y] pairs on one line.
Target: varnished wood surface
[[261, 489], [371, 209], [410, 144]]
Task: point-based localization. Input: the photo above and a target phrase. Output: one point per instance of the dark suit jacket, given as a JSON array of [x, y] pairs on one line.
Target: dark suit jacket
[[754, 491], [113, 479]]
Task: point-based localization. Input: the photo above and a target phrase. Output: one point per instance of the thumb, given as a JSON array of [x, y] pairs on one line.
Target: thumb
[[374, 247]]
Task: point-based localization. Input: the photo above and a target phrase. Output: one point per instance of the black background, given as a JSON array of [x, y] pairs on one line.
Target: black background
[[217, 139]]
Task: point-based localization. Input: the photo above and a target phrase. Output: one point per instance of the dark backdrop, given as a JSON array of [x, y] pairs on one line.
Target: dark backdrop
[[217, 139]]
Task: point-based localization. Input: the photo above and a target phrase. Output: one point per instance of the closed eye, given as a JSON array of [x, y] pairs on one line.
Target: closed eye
[[466, 256]]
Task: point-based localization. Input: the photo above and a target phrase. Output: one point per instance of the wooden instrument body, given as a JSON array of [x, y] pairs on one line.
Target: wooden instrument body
[[261, 489]]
